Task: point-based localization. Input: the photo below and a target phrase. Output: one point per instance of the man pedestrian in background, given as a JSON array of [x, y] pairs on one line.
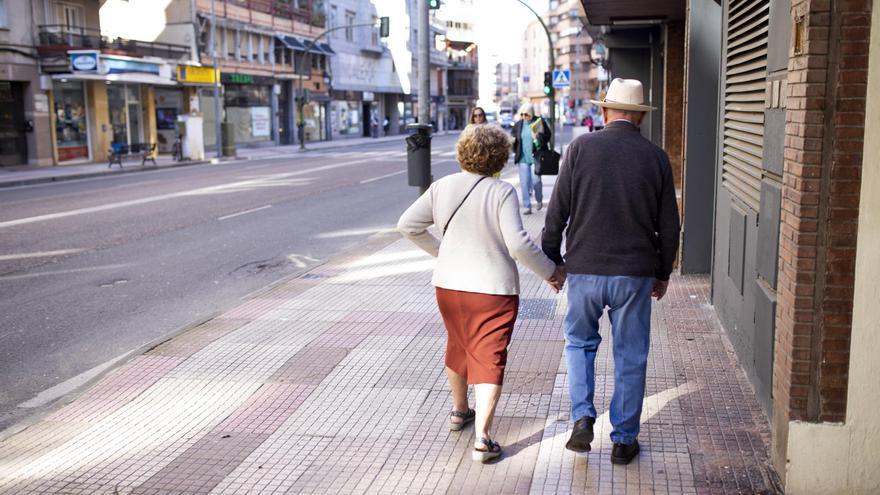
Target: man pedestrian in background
[[615, 200]]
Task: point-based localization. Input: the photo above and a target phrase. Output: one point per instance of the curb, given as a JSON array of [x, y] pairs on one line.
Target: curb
[[112, 172], [37, 414]]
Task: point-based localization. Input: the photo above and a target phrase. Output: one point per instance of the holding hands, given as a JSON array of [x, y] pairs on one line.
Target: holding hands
[[557, 280]]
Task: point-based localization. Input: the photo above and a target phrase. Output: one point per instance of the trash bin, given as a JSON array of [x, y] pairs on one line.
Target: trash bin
[[228, 131], [418, 156]]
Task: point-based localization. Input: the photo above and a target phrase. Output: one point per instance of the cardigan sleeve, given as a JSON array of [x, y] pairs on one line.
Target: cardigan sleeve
[[414, 223], [518, 242]]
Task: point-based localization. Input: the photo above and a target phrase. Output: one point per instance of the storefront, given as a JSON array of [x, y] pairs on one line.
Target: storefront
[[248, 106], [108, 101], [169, 105], [13, 140], [71, 121]]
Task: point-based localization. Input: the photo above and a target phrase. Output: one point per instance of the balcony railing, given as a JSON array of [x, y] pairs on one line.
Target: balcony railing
[[55, 38], [308, 11]]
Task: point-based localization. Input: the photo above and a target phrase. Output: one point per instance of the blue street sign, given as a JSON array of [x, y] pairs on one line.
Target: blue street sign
[[561, 78]]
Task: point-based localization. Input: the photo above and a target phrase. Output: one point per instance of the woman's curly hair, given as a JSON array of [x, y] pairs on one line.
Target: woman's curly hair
[[483, 149]]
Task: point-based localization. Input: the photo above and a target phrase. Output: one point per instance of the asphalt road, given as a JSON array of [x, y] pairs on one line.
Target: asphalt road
[[93, 269]]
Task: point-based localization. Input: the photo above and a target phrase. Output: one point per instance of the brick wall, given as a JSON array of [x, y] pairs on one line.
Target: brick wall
[[827, 82], [673, 98]]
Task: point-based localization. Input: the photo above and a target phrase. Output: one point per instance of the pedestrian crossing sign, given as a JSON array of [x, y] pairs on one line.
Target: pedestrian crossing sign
[[561, 78]]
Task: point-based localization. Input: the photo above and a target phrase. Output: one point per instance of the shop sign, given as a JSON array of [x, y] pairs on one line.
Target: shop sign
[[241, 78], [84, 61], [113, 65], [196, 75], [260, 121]]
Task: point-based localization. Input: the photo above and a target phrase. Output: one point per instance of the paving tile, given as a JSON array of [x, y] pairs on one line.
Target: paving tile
[[334, 382]]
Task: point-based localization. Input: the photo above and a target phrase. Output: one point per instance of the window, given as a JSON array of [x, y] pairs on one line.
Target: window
[[237, 44], [261, 52], [349, 22], [68, 15], [250, 46], [374, 32], [3, 18], [333, 14]]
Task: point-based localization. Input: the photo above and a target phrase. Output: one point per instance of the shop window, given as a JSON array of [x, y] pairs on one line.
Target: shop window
[[3, 16], [71, 127]]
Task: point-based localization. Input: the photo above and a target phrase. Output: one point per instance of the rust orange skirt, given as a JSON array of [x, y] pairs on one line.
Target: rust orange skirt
[[478, 327]]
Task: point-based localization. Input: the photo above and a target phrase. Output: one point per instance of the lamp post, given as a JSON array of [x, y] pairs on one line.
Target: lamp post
[[213, 48], [306, 62]]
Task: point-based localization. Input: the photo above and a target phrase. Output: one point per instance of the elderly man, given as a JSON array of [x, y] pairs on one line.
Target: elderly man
[[615, 200]]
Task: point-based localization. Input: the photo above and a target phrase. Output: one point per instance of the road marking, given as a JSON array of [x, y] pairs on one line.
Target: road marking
[[245, 212], [59, 272], [219, 189], [67, 386], [41, 254], [300, 260], [374, 179]]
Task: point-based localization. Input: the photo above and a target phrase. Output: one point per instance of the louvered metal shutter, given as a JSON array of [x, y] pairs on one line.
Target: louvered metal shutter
[[746, 72]]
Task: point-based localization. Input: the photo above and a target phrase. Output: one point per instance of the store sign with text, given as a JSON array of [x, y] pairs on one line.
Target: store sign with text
[[197, 75], [84, 61]]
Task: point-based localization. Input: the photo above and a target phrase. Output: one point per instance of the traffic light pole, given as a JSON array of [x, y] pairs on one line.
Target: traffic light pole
[[552, 61], [305, 65]]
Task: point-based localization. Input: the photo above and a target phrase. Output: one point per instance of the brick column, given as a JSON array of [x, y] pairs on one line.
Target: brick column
[[827, 82]]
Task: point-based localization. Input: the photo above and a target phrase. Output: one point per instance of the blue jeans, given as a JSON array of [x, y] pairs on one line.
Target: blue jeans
[[629, 303], [527, 181]]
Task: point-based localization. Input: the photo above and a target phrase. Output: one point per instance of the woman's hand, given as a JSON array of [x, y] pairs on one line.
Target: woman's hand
[[557, 280]]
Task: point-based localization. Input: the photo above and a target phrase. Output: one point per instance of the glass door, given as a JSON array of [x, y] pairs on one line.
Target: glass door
[[124, 105]]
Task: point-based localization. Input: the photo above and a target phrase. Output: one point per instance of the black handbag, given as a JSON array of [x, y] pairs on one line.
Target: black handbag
[[546, 161]]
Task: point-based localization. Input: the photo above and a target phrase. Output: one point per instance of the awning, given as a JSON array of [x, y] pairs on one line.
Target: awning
[[299, 44], [129, 77]]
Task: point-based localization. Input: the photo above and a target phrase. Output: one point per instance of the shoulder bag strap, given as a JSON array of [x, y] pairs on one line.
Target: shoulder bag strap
[[462, 202]]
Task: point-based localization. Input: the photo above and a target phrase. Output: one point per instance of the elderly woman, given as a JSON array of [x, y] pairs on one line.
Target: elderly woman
[[476, 278]]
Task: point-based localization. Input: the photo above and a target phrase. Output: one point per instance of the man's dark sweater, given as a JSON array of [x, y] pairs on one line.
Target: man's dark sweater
[[616, 196]]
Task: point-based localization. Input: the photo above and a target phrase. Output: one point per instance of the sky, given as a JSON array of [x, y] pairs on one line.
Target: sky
[[499, 25]]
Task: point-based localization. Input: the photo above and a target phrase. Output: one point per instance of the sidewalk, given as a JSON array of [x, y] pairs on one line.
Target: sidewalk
[[19, 176], [333, 383]]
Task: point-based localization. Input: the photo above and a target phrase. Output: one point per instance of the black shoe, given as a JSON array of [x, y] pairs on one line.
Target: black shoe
[[623, 453], [581, 435]]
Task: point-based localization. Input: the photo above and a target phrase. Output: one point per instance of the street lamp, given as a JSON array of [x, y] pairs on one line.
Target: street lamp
[[305, 63]]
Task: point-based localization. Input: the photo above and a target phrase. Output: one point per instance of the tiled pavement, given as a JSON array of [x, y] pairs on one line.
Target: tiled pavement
[[333, 383]]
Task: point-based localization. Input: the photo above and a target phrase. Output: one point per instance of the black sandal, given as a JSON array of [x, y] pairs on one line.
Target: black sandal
[[466, 417], [490, 450]]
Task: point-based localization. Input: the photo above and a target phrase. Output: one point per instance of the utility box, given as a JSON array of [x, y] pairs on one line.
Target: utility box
[[192, 136], [418, 156], [227, 130]]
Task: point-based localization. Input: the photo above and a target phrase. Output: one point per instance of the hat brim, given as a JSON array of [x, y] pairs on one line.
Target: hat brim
[[623, 106]]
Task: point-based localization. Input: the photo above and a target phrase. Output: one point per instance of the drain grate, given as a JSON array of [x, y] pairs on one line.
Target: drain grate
[[537, 309]]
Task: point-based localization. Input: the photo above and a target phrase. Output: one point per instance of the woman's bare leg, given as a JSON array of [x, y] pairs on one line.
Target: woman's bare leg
[[487, 395], [458, 384]]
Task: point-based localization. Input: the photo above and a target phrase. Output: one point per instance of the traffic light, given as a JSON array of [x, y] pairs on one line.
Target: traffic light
[[548, 83], [433, 4], [383, 27]]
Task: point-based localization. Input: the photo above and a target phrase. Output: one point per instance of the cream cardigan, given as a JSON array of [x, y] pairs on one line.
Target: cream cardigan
[[483, 239]]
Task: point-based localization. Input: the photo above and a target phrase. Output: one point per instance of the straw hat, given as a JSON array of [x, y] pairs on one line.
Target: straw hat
[[625, 94]]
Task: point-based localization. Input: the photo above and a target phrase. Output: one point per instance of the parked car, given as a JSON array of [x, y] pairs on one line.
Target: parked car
[[506, 120]]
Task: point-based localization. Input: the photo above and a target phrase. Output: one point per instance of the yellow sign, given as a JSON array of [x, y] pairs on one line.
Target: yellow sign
[[197, 75]]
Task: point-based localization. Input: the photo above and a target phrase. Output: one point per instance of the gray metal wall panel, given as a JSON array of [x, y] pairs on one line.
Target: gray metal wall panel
[[768, 232], [774, 140], [765, 331], [736, 247], [701, 152], [780, 34]]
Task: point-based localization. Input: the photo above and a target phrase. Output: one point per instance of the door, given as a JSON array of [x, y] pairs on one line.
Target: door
[[124, 106], [13, 142]]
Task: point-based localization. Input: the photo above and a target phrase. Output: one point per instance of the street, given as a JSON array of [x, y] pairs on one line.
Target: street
[[93, 269]]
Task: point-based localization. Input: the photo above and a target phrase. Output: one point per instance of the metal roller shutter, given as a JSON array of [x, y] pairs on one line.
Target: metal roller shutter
[[744, 96]]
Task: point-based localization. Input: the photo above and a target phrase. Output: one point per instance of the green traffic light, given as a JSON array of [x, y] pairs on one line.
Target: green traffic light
[[546, 90]]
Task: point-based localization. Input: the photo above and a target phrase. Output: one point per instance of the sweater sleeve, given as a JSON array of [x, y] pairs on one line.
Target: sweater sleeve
[[517, 240], [668, 222], [558, 210], [414, 223]]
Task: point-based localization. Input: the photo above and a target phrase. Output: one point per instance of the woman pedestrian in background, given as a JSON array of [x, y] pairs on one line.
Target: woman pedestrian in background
[[529, 133], [478, 116], [476, 278]]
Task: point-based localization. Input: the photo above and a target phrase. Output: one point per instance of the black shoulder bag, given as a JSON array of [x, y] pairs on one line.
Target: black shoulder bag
[[462, 202]]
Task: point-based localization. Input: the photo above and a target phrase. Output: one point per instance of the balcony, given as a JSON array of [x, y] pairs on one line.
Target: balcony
[[306, 11], [56, 40]]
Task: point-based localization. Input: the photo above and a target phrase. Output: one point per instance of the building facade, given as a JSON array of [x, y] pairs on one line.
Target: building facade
[[462, 55], [573, 45], [534, 62], [507, 81], [776, 113]]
